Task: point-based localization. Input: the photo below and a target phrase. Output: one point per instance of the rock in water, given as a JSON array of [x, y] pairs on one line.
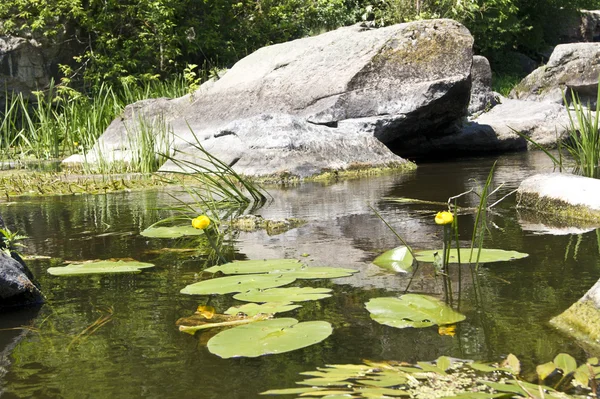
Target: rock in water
[[321, 103], [16, 287]]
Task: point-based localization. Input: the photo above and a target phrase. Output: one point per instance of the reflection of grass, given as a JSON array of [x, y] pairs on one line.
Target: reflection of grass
[[105, 317]]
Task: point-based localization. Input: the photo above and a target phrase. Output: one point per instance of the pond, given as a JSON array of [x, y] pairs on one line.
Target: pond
[[115, 335]]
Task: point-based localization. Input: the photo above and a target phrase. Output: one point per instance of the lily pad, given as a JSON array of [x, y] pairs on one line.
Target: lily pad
[[291, 294], [398, 260], [229, 284], [268, 337], [486, 256], [252, 309], [412, 310], [307, 273], [99, 267], [256, 266], [171, 231]]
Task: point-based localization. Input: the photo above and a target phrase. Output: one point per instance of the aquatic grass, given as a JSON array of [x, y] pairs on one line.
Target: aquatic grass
[[58, 121], [584, 137], [583, 142]]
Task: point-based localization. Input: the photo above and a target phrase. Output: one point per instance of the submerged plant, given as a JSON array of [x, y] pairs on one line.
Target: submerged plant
[[447, 378]]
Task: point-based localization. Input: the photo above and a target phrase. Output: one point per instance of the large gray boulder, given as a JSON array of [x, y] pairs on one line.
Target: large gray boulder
[[494, 130], [571, 67], [400, 85], [482, 97]]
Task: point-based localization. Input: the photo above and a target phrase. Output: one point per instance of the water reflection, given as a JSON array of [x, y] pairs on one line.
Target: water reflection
[[141, 353]]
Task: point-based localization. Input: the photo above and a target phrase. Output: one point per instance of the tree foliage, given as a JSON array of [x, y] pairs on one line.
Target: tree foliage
[[116, 39]]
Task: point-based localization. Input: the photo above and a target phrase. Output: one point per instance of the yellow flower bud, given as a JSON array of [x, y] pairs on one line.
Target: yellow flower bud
[[444, 217], [201, 222]]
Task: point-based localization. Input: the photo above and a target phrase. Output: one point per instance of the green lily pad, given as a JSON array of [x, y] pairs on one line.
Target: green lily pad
[[486, 256], [307, 273], [229, 284], [412, 310], [256, 266], [268, 337], [291, 294], [171, 231], [398, 260], [252, 309], [99, 267]]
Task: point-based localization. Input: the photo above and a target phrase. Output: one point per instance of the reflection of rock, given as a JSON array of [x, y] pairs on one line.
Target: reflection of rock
[[272, 226], [582, 319], [564, 195], [11, 335], [539, 223]]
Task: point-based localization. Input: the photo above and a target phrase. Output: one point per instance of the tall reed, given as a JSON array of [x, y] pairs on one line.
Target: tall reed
[[584, 138], [59, 121]]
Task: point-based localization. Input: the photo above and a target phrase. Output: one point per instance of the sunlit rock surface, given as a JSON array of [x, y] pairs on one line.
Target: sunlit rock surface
[[326, 102], [571, 67], [562, 195]]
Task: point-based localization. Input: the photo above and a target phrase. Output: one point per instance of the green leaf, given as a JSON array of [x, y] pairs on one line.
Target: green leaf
[[290, 391], [291, 294], [398, 260], [268, 337], [544, 370], [582, 375], [99, 267], [566, 363], [512, 363], [171, 232], [443, 362], [379, 392], [229, 284], [412, 310], [256, 266], [307, 273], [252, 309], [486, 256], [486, 368], [430, 368], [386, 378]]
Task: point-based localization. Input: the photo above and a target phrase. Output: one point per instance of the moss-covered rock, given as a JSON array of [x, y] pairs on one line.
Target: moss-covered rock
[[573, 199], [582, 319]]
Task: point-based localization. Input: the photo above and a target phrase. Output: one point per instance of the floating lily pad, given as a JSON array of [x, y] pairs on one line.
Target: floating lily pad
[[229, 284], [486, 256], [307, 273], [171, 231], [252, 309], [398, 260], [412, 310], [256, 266], [268, 337], [291, 294], [99, 267]]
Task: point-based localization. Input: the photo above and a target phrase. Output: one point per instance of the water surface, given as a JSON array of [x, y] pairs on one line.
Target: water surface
[[140, 353]]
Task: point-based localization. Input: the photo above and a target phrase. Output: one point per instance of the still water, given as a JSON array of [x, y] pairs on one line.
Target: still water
[[135, 349]]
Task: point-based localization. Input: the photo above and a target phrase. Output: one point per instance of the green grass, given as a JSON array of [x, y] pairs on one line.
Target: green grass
[[60, 121], [584, 138], [504, 83]]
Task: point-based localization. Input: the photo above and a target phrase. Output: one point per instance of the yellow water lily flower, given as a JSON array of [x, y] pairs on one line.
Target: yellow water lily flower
[[201, 222], [444, 217], [449, 330]]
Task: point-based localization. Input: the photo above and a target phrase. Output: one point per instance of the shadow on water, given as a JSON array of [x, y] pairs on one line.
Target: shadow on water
[[139, 352]]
